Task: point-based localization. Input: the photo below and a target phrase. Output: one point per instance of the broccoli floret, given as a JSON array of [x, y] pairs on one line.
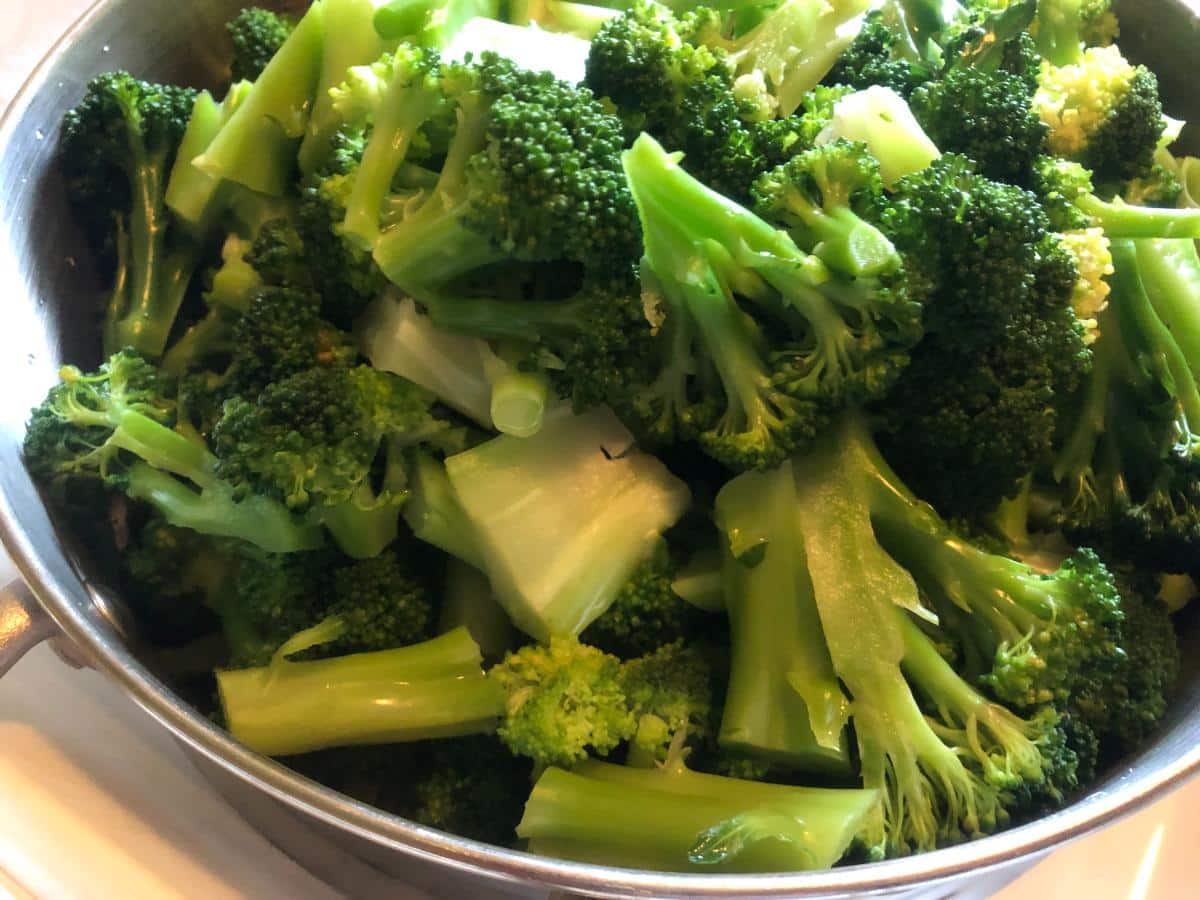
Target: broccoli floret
[[839, 340], [672, 819], [257, 34], [670, 691], [882, 54], [820, 197], [115, 425], [984, 111], [1127, 465], [117, 152], [531, 171], [779, 59], [646, 613], [680, 93], [1102, 112], [874, 560], [470, 786], [280, 334], [565, 700], [977, 407], [598, 343], [881, 119], [435, 689], [312, 439], [1067, 192]]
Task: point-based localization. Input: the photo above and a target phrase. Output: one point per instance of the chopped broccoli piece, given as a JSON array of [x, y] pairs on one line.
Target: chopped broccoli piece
[[257, 34]]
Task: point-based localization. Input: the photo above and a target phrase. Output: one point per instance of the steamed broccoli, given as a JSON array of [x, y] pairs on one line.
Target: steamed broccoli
[[116, 425], [118, 149], [257, 34], [838, 340]]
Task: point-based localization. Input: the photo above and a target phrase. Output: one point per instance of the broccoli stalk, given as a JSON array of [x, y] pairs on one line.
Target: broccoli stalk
[[784, 703], [434, 23], [961, 770], [674, 819], [434, 514], [469, 601], [256, 147], [434, 689], [882, 119], [1126, 467], [114, 425], [118, 148], [820, 197], [702, 251], [561, 519]]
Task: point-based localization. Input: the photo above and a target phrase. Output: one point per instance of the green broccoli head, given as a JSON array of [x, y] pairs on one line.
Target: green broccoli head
[[670, 691], [565, 701], [257, 34], [646, 614]]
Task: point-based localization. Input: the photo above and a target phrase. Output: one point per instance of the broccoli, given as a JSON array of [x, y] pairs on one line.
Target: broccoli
[[784, 704], [873, 558], [564, 701], [433, 23], [427, 690], [881, 119], [786, 54], [279, 335], [531, 170], [1102, 112], [312, 439], [115, 425], [469, 601], [646, 613], [558, 521], [596, 343], [257, 34], [583, 20], [256, 146], [118, 149], [982, 105], [1126, 467], [1066, 189], [839, 340], [820, 197], [884, 53], [674, 819], [978, 405], [1063, 28], [470, 786], [670, 692], [681, 93]]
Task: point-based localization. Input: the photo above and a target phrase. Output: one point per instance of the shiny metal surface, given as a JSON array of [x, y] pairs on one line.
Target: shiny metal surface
[[49, 296], [23, 624]]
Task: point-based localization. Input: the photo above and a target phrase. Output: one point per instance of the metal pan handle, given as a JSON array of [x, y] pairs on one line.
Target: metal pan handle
[[23, 624]]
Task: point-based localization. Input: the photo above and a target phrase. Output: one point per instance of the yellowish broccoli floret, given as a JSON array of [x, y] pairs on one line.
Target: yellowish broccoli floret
[[1100, 24], [1103, 112], [1090, 248]]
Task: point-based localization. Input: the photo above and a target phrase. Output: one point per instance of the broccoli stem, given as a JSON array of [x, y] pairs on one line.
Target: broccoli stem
[[672, 819], [151, 282], [1059, 30], [435, 689], [1132, 303], [433, 245], [1121, 220], [396, 125], [1170, 272], [257, 146], [469, 601], [783, 703], [435, 515], [190, 192], [214, 510], [352, 41], [519, 402]]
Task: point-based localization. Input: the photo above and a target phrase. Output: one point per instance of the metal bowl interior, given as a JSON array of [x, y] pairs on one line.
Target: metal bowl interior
[[50, 293]]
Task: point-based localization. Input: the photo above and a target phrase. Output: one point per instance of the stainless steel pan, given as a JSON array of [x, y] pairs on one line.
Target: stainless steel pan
[[47, 292]]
